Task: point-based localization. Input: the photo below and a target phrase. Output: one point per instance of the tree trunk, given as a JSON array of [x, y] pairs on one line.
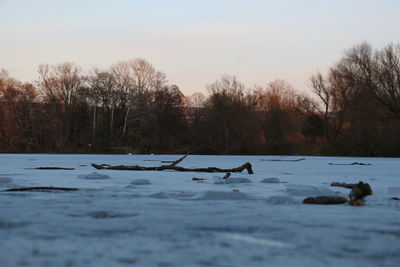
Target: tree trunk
[[125, 122], [94, 122], [112, 122]]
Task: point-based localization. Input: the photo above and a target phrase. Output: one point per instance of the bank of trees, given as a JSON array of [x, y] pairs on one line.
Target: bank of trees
[[354, 109], [359, 101], [130, 107]]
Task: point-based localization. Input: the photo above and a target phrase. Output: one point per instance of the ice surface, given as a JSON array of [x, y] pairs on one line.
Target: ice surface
[[222, 195], [174, 221], [231, 180], [5, 180], [234, 180], [277, 200], [394, 190], [141, 182], [308, 190], [94, 176], [272, 180]]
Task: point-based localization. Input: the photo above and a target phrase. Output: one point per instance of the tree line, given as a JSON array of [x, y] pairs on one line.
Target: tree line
[[354, 109]]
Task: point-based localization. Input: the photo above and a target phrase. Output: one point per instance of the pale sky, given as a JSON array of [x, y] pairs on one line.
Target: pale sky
[[194, 42]]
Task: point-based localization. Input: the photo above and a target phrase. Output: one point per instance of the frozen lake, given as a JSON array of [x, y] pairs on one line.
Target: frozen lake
[[163, 218]]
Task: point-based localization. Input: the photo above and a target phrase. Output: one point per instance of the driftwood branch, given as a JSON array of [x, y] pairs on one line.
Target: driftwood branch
[[175, 162], [345, 185], [247, 166], [285, 160], [227, 175], [354, 163], [40, 189], [53, 168], [357, 193]]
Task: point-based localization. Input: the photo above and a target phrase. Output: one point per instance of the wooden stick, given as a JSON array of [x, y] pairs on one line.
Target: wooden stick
[[174, 163], [53, 168], [41, 188], [359, 191], [354, 163], [345, 185], [247, 166], [285, 160], [227, 175]]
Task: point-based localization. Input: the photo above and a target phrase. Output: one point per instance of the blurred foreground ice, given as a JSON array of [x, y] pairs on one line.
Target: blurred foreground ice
[[166, 219]]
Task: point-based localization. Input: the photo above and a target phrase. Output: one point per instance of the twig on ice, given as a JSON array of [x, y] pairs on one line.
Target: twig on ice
[[285, 160], [175, 162], [41, 189], [354, 163], [227, 175], [345, 185], [53, 168]]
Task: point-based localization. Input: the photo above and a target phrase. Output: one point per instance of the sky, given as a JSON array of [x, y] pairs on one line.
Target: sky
[[194, 42]]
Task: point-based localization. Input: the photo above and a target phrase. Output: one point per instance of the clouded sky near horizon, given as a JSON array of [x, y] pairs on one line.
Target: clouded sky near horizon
[[194, 42]]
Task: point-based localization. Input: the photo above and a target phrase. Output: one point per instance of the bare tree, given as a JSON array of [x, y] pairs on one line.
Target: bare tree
[[275, 105], [59, 85], [197, 100], [104, 92], [60, 82], [227, 85], [276, 93], [387, 75], [125, 78], [136, 78], [146, 76], [227, 115]]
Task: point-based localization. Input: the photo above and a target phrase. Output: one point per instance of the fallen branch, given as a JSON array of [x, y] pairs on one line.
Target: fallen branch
[[285, 160], [345, 185], [325, 200], [247, 166], [175, 162], [227, 175], [358, 192], [40, 189], [354, 163], [53, 168]]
